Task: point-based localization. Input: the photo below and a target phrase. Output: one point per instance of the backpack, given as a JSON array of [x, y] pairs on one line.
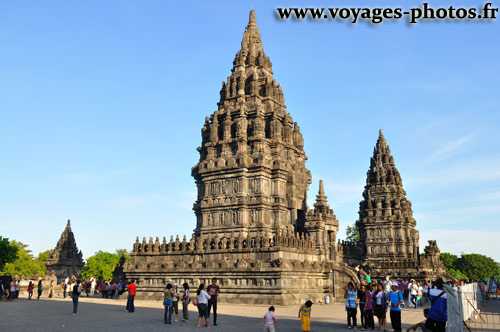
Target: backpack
[[76, 290]]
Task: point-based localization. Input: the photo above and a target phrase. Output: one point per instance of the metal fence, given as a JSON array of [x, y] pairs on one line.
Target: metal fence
[[472, 309]]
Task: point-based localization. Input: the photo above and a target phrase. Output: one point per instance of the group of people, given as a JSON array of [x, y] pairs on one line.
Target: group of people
[[373, 300], [205, 300], [10, 289]]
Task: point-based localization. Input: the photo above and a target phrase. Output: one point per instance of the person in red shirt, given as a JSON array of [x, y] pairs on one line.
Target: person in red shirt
[[131, 294]]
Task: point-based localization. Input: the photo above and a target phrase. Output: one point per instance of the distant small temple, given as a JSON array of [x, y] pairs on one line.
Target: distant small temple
[[65, 259]]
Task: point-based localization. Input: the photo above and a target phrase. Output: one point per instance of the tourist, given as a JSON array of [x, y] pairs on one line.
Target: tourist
[[168, 303], [438, 313], [30, 290], [350, 305], [387, 284], [413, 293], [69, 289], [381, 307], [269, 320], [395, 299], [213, 291], [420, 324], [92, 285], [175, 299], [369, 278], [40, 289], [361, 294], [75, 294], [18, 287], [185, 302], [87, 286], [368, 309], [2, 289], [130, 298], [420, 294], [64, 286], [305, 316], [426, 292], [406, 291], [12, 290], [203, 298], [51, 289]]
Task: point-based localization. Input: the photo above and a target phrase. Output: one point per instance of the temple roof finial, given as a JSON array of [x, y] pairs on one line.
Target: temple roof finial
[[69, 223], [252, 19]]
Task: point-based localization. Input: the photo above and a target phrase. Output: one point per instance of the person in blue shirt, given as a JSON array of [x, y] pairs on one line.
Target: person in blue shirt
[[350, 305], [395, 299], [438, 313]]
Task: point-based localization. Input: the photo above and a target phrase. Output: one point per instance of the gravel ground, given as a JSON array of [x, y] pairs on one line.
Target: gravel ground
[[98, 314]]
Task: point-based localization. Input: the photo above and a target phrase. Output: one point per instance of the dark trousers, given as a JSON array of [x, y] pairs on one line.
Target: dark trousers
[[75, 304], [167, 317], [351, 316], [362, 313], [130, 303], [396, 320], [214, 305], [413, 299], [64, 292], [369, 322], [434, 325], [39, 294]]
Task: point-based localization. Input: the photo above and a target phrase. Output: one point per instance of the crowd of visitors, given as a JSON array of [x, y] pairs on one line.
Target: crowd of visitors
[[373, 298]]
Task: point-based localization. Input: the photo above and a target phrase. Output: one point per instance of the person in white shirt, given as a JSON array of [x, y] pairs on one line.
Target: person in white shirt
[[420, 294], [413, 293], [269, 320], [203, 298]]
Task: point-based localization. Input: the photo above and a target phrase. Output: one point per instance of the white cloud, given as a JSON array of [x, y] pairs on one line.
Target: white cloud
[[450, 148]]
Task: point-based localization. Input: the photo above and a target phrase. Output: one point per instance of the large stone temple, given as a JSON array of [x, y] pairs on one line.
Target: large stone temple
[[65, 259], [254, 230]]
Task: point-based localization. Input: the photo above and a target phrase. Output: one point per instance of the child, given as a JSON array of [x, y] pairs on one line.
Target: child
[[270, 320], [305, 316], [421, 324]]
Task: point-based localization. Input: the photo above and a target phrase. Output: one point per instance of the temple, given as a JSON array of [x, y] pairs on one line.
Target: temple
[[388, 237], [254, 230], [65, 259]]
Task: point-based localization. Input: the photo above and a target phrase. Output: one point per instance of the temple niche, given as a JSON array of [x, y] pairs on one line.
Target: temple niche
[[65, 259], [254, 230]]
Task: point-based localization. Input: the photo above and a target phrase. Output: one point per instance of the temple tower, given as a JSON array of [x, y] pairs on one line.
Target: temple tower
[[386, 224], [251, 176], [66, 259]]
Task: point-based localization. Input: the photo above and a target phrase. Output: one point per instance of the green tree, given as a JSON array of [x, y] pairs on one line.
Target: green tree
[[448, 260], [477, 267], [101, 265], [352, 233], [8, 252], [457, 273], [25, 264], [124, 253]]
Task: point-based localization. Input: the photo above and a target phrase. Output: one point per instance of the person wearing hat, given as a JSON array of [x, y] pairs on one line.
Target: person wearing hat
[[395, 299], [175, 301], [413, 293]]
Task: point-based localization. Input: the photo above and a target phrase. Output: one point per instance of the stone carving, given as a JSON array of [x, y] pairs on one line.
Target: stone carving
[[254, 229]]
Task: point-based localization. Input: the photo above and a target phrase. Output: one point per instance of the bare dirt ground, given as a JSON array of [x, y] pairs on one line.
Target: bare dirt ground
[[98, 314]]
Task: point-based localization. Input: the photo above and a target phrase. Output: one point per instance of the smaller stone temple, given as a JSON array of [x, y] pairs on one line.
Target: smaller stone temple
[[65, 259]]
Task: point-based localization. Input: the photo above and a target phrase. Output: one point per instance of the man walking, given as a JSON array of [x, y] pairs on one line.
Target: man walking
[[213, 291], [130, 298], [76, 291]]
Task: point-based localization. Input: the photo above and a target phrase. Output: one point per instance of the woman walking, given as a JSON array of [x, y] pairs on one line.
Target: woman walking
[[395, 298], [185, 303], [40, 289], [381, 307], [51, 289], [203, 298], [369, 323], [168, 304], [30, 290]]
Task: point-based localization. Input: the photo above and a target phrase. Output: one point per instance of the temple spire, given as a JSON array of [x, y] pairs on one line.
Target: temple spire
[[252, 18]]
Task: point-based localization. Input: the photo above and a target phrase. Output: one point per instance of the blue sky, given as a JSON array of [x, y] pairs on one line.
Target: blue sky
[[102, 102]]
